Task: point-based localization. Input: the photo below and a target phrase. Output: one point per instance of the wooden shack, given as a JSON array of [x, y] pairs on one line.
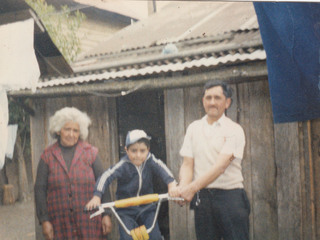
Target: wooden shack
[[161, 93]]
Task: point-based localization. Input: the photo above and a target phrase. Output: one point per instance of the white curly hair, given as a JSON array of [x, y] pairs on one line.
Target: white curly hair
[[69, 114]]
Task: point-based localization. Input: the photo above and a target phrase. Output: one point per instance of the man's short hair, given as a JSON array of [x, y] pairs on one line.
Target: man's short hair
[[227, 90]]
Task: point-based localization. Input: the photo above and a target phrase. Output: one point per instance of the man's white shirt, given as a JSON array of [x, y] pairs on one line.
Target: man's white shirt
[[204, 142]]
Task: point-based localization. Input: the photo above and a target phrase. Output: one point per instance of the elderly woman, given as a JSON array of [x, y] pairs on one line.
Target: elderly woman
[[65, 181]]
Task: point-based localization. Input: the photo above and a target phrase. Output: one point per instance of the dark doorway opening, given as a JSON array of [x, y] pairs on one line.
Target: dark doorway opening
[[145, 110]]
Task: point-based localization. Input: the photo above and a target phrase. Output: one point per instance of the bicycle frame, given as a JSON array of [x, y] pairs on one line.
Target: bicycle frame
[[136, 201]]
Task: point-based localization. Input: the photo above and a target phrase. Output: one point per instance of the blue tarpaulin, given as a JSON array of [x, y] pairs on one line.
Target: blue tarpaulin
[[291, 38]]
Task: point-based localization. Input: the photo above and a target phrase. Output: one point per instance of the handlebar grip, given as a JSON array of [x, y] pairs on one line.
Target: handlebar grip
[[85, 209], [135, 201]]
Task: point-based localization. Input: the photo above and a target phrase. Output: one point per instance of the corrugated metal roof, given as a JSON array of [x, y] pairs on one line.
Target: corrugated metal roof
[[181, 20], [194, 47], [229, 48], [170, 67]]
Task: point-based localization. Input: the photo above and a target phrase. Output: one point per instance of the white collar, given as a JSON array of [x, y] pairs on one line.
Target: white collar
[[219, 122]]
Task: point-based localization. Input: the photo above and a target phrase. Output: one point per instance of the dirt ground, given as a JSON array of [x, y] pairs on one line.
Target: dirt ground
[[17, 221]]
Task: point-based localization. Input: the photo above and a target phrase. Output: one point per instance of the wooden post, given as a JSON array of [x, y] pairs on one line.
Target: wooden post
[[315, 136], [8, 194], [22, 172], [287, 157]]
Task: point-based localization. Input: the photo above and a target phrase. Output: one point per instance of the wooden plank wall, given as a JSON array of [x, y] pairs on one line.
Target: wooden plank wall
[[288, 180], [280, 166], [315, 138], [182, 106], [102, 132], [258, 126], [239, 112], [309, 144], [38, 143], [174, 122], [251, 108]]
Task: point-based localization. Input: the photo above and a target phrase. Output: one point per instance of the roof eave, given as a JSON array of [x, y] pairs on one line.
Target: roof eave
[[248, 72]]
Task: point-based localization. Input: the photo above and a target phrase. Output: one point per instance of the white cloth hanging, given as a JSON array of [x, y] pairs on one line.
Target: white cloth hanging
[[18, 64], [4, 117], [19, 69], [12, 136]]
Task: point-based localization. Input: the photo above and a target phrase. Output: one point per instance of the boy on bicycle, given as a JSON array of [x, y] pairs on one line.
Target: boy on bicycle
[[134, 173]]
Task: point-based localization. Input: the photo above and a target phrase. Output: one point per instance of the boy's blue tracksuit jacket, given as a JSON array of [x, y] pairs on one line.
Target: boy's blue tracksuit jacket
[[133, 181]]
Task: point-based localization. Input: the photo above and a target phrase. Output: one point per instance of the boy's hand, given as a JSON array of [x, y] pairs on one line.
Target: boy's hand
[[93, 203], [173, 190], [176, 192]]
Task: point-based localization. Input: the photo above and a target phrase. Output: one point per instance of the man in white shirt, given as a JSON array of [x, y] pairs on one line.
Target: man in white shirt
[[210, 174]]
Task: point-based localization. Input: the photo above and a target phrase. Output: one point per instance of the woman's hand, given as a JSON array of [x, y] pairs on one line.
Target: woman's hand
[[106, 225], [93, 203], [47, 230]]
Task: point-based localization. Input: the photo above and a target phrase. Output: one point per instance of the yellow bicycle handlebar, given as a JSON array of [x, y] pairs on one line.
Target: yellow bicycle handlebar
[[135, 201]]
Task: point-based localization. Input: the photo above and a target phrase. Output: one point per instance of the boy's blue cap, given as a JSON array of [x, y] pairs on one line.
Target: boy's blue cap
[[135, 135]]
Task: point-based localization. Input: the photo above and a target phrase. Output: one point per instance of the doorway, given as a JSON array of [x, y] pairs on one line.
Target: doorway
[[145, 110]]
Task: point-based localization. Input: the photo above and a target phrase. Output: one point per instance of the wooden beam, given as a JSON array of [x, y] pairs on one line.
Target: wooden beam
[[117, 87]]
